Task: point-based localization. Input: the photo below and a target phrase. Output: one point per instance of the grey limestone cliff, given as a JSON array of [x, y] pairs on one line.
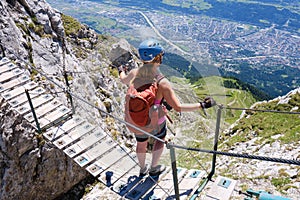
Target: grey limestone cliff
[[33, 36]]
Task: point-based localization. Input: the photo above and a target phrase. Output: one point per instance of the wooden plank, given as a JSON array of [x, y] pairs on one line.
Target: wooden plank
[[14, 83], [190, 182], [125, 164], [48, 107], [4, 60], [100, 148], [7, 67], [221, 189], [144, 186], [95, 169], [23, 109], [43, 110], [38, 101], [141, 188], [19, 90], [124, 168], [113, 156], [21, 99], [54, 116], [108, 159], [165, 185], [74, 134], [122, 184], [84, 143], [11, 74], [56, 132]]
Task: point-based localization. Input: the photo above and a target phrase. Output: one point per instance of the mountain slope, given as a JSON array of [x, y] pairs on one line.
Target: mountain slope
[[40, 39], [267, 134]]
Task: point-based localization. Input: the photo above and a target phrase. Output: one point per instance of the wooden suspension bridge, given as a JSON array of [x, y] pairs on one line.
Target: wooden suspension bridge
[[94, 150]]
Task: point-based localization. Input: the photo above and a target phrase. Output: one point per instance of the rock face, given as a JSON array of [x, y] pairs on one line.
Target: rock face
[[277, 178], [30, 168], [33, 34]]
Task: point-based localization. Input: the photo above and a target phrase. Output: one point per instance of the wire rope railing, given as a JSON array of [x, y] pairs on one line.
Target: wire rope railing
[[67, 91], [128, 154], [260, 110], [171, 146], [238, 155]]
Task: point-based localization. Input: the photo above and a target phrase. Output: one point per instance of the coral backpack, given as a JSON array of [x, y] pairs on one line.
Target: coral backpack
[[140, 110]]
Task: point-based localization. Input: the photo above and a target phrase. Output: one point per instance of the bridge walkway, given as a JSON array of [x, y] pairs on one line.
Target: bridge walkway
[[92, 148]]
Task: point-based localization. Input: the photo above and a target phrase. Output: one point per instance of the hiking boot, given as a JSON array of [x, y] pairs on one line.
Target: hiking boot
[[144, 171], [155, 171]]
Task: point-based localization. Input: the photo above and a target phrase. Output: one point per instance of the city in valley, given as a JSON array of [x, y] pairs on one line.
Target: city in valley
[[262, 54]]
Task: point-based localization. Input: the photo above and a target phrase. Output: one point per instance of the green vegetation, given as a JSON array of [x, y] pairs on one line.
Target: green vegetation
[[226, 91], [238, 84], [22, 27], [114, 133], [195, 71], [70, 78], [71, 25], [183, 67], [114, 72], [280, 182], [265, 125], [260, 15], [278, 4], [195, 4], [80, 53], [29, 47], [37, 28], [264, 79], [194, 159], [33, 26], [103, 24], [196, 135]]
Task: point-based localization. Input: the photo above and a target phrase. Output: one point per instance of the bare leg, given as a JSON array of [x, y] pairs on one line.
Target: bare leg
[[158, 148], [141, 149]]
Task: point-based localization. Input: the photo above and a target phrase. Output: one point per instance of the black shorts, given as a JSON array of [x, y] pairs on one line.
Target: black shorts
[[161, 135]]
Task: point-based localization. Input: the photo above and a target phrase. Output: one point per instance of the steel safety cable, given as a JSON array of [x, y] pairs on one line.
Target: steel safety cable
[[190, 153], [110, 136], [85, 101], [181, 147], [235, 108], [238, 155], [259, 110], [128, 154]]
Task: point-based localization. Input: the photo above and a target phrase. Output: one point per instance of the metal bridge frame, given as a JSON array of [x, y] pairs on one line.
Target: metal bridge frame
[[172, 146], [215, 152]]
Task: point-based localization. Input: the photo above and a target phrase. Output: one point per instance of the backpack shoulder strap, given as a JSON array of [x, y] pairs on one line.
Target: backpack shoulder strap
[[159, 78]]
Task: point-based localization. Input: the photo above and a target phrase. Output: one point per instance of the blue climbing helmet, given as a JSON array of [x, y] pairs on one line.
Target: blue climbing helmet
[[149, 49]]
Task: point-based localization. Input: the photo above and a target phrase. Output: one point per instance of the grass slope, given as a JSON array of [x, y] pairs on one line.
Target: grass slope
[[229, 97], [198, 132], [266, 125]]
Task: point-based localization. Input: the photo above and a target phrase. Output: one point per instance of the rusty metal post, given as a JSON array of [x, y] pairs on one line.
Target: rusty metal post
[[68, 92], [174, 170], [217, 132], [33, 112]]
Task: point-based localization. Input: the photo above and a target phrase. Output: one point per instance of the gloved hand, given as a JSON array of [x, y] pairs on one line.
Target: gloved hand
[[208, 102]]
